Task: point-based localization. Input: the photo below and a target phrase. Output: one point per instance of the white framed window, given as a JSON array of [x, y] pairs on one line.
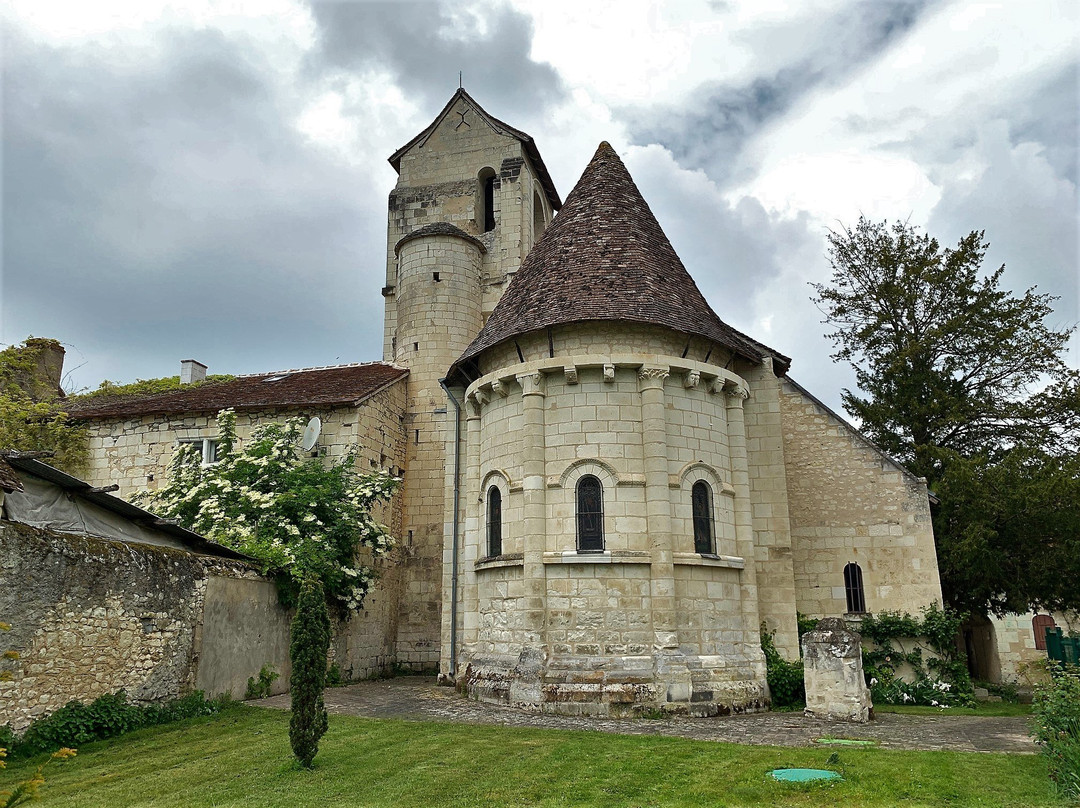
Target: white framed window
[[208, 447]]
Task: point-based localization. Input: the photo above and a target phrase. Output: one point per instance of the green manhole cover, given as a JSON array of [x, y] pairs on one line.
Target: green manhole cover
[[803, 775], [844, 742]]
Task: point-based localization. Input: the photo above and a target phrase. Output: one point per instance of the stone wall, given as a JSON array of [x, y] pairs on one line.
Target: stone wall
[[135, 452], [92, 616], [850, 503], [648, 622]]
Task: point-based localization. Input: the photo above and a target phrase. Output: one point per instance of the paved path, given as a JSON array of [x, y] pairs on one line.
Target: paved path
[[418, 698]]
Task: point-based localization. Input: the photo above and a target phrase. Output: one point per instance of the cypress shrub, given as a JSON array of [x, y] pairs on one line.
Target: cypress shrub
[[309, 646]]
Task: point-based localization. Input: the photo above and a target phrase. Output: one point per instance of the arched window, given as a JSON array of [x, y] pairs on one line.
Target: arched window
[[485, 218], [1039, 624], [701, 502], [494, 521], [856, 599], [590, 515]]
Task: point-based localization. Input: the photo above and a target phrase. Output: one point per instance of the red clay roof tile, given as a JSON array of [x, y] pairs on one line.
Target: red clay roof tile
[[309, 387]]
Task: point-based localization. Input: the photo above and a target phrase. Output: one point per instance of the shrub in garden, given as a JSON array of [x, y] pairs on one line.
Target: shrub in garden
[[1057, 727], [786, 684], [307, 652], [107, 716], [927, 645]]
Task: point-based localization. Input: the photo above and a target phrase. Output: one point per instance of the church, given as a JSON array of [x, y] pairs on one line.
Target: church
[[608, 490]]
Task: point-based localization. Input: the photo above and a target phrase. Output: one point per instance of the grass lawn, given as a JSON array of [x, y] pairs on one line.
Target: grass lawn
[[241, 757], [985, 708]]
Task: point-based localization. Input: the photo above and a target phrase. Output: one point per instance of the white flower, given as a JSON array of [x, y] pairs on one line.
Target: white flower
[[934, 704], [873, 681]]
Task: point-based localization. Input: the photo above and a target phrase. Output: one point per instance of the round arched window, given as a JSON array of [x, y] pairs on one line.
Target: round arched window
[[590, 515]]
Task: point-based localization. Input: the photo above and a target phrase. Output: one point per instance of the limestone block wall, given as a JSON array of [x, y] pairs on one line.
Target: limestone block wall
[[1016, 657], [850, 503], [770, 507], [135, 452], [437, 319], [439, 181], [648, 618]]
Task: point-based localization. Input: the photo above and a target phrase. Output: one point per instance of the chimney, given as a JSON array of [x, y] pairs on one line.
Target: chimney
[[48, 357], [191, 371]]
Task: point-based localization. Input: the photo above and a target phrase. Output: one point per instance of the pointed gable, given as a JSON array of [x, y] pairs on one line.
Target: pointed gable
[[496, 125], [605, 257]]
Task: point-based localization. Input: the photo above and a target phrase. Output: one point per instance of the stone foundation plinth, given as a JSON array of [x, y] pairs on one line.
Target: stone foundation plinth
[[617, 686]]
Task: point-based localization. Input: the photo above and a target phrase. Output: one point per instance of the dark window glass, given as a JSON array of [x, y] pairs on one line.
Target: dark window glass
[[701, 500], [590, 514], [856, 600], [494, 521], [489, 204]]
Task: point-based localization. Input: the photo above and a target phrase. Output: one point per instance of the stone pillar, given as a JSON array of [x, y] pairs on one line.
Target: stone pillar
[[525, 680], [658, 505], [534, 497], [474, 537], [832, 661], [736, 394]]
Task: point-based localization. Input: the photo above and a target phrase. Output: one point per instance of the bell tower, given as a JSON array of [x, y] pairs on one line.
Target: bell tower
[[472, 197]]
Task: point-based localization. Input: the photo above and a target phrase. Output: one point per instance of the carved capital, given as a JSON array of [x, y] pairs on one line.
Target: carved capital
[[654, 372], [532, 384], [472, 409], [736, 393], [652, 377]]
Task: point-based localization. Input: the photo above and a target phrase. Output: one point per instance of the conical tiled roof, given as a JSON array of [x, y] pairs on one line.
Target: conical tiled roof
[[605, 257]]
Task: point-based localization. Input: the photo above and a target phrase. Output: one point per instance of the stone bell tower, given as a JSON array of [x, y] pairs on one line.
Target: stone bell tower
[[472, 197]]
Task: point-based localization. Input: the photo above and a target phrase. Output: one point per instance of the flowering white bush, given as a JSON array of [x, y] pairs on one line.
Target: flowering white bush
[[293, 514]]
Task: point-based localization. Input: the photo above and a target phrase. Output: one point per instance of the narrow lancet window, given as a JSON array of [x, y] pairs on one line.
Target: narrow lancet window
[[494, 521], [853, 587], [590, 515], [701, 502], [486, 218]]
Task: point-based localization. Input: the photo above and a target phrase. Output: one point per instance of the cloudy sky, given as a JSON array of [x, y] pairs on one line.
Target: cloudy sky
[[209, 179]]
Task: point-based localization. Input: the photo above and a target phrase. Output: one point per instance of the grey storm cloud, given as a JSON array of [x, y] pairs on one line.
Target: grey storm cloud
[[424, 45], [711, 128], [164, 205]]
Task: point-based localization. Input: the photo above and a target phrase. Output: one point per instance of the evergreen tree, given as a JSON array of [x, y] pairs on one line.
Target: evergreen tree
[[309, 645], [966, 384]]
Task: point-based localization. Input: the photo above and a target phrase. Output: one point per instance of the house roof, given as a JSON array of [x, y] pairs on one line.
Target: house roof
[[605, 257], [306, 387], [74, 487], [502, 128], [9, 480]]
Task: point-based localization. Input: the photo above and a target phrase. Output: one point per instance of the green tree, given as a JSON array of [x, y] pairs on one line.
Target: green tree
[[32, 417], [307, 650], [309, 524], [965, 383]]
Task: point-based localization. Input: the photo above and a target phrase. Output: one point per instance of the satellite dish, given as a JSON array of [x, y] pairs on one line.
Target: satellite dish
[[311, 434]]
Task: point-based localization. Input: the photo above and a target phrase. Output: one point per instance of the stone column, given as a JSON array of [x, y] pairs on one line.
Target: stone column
[[534, 497], [833, 673], [736, 394], [525, 683], [473, 538], [658, 505]]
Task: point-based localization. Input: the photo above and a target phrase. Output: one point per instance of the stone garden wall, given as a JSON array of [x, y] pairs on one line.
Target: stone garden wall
[[91, 616]]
